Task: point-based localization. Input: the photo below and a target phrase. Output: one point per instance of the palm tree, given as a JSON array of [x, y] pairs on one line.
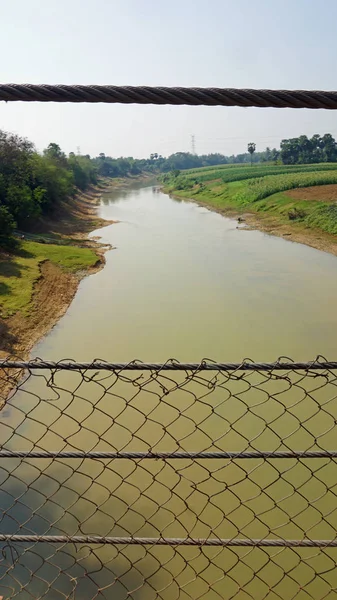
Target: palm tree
[[251, 150]]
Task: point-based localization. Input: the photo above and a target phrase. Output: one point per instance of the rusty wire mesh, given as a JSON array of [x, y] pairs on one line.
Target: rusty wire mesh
[[173, 481]]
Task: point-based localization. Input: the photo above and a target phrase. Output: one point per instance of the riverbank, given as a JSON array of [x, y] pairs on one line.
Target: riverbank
[[40, 279], [272, 214]]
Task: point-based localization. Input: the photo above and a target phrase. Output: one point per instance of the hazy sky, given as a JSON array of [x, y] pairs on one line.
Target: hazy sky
[[222, 43]]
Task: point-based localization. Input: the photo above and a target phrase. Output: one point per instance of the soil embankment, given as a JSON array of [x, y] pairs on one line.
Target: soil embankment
[[274, 222], [54, 280]]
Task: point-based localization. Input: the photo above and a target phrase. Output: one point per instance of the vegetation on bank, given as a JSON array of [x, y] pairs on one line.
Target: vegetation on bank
[[34, 188], [294, 151], [33, 184], [39, 189], [20, 271], [266, 190], [262, 187], [313, 214], [230, 173]]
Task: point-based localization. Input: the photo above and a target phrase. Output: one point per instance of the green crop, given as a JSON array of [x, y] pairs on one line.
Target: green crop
[[215, 167], [246, 172], [257, 189]]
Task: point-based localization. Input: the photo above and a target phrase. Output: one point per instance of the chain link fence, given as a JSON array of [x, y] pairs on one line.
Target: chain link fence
[[174, 481]]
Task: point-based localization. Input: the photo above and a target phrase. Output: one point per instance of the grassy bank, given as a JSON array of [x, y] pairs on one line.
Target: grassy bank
[[298, 202], [39, 280], [19, 272]]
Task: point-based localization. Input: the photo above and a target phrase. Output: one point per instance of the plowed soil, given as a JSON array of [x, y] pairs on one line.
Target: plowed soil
[[325, 193]]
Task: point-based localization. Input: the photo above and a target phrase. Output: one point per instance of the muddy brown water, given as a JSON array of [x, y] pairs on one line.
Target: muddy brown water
[[184, 283]]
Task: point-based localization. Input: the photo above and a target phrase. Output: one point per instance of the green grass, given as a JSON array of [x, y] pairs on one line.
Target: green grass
[[264, 192], [20, 271], [324, 218], [314, 214], [71, 258]]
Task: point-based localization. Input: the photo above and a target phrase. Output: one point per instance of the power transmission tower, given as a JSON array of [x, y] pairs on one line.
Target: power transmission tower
[[193, 143]]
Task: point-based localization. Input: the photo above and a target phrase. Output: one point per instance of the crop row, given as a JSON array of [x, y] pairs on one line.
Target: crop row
[[269, 165], [239, 174], [215, 167], [257, 189]]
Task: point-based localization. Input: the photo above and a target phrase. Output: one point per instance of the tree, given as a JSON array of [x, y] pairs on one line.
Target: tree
[[267, 154], [274, 154], [55, 153], [303, 150], [251, 150], [7, 226], [290, 151], [23, 205], [329, 148]]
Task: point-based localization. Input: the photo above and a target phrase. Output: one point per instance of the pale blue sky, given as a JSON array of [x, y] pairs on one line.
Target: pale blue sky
[[223, 43]]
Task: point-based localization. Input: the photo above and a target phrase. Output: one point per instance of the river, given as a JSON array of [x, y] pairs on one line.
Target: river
[[183, 282]]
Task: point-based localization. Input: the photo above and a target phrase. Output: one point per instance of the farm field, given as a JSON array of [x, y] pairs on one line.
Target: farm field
[[293, 200], [228, 173]]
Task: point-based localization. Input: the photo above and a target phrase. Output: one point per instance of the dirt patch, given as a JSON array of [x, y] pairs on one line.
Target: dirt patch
[[325, 193], [53, 293]]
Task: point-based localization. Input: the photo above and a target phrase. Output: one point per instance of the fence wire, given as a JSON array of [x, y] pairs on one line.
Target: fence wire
[[175, 481]]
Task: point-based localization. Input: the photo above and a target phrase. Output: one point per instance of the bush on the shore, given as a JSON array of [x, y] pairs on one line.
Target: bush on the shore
[[295, 214]]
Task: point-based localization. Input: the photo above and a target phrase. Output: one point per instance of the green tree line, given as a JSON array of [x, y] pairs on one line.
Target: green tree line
[[302, 150], [33, 184], [121, 167]]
